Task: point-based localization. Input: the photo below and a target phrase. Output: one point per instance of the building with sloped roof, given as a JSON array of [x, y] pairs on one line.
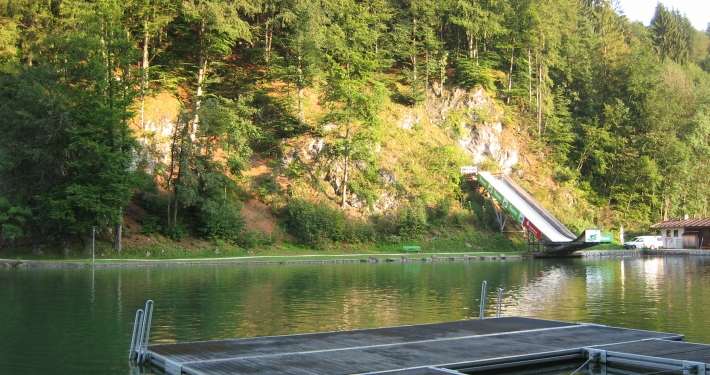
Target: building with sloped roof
[[685, 233]]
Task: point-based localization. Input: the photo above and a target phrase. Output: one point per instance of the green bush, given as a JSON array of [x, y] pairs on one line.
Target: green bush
[[251, 238], [155, 204], [409, 96], [472, 73], [412, 93], [313, 224], [357, 231], [412, 219], [221, 220], [145, 181], [462, 219], [441, 210], [384, 227], [176, 232], [151, 225], [266, 185]]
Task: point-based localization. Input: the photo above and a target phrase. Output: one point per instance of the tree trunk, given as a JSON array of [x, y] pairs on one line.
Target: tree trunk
[[198, 97], [628, 204], [510, 74], [144, 75], [667, 205], [475, 51], [268, 37], [345, 184], [175, 204], [168, 207], [426, 80], [538, 81], [300, 89], [175, 153], [442, 72], [529, 77], [414, 49], [117, 242], [201, 72], [470, 46], [346, 170], [119, 232]]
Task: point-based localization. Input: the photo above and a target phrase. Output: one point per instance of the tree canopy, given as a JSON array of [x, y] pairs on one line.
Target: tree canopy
[[620, 110]]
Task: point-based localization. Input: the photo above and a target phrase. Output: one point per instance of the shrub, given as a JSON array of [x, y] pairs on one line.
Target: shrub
[[176, 232], [471, 73], [384, 226], [151, 225], [462, 219], [267, 185], [409, 96], [312, 224], [412, 219], [357, 231], [221, 220], [442, 209], [252, 238], [155, 204]]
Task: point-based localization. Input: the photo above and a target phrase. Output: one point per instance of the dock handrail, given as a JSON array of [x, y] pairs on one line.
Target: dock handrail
[[483, 300], [500, 299], [141, 332], [482, 308], [136, 324]]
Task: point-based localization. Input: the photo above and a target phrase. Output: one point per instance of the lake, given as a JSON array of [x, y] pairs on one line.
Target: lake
[[80, 321]]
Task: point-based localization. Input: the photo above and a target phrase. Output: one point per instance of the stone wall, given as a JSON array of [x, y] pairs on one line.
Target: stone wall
[[610, 253]]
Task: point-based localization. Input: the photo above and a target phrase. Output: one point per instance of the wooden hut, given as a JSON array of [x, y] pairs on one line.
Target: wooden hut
[[685, 233]]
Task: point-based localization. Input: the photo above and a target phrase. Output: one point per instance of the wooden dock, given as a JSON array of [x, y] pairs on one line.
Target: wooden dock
[[453, 347]]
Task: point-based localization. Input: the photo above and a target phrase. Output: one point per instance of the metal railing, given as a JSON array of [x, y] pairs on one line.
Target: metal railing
[[604, 357], [469, 170], [141, 333], [500, 299], [481, 312], [483, 300]]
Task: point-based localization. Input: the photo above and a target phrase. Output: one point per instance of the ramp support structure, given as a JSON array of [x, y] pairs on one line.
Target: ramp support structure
[[547, 236]]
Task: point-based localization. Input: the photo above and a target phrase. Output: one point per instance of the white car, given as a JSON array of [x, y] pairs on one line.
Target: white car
[[644, 242]]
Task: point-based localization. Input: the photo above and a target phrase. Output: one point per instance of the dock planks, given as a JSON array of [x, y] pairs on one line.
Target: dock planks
[[436, 348]]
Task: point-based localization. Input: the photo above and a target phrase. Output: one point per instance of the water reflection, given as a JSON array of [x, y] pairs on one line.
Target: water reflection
[[77, 320], [545, 293]]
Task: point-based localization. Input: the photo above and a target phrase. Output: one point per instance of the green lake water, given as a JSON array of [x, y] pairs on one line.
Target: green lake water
[[79, 321]]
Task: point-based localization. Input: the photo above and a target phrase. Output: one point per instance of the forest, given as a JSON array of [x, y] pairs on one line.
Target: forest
[[617, 112]]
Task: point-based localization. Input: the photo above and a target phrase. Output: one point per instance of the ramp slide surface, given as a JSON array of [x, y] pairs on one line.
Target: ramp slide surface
[[524, 208]]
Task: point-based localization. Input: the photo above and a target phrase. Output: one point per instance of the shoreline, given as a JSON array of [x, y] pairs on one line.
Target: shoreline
[[264, 260], [241, 261]]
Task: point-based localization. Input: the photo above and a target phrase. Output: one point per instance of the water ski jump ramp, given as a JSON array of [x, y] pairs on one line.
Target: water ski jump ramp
[[549, 233]]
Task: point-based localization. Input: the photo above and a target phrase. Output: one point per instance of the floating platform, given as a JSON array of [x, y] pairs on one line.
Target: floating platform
[[464, 346]]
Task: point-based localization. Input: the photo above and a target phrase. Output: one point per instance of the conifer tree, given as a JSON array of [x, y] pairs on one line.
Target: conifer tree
[[83, 98], [354, 96], [670, 34]]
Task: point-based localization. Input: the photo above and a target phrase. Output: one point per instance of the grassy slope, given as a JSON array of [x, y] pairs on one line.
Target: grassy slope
[[424, 158]]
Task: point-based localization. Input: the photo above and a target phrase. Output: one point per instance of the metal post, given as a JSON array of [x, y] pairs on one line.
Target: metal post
[[148, 320], [483, 299], [500, 298], [93, 237], [136, 333]]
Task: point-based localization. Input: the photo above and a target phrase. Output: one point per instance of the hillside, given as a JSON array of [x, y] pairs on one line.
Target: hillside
[[221, 125], [415, 162]]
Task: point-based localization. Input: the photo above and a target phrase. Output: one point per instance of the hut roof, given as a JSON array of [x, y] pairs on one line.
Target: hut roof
[[682, 223]]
